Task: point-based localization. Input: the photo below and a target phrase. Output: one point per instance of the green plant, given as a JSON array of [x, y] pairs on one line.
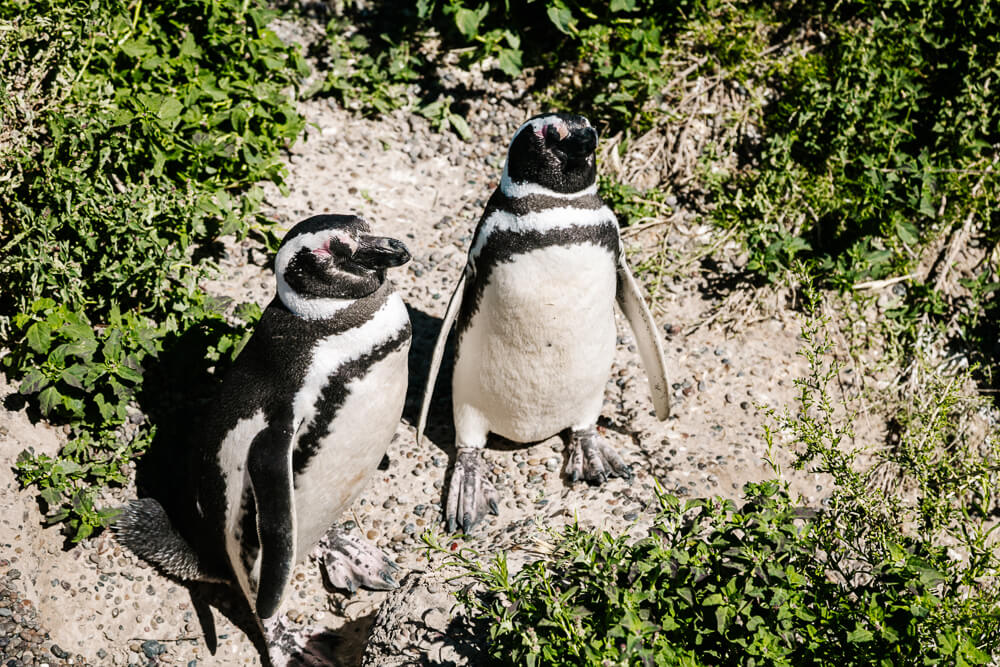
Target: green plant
[[931, 487], [367, 75], [880, 141], [716, 584], [131, 137]]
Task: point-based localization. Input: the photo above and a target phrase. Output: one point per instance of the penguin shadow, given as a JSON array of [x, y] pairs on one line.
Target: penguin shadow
[[440, 428]]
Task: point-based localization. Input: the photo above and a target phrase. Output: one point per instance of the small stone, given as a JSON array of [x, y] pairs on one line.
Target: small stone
[[58, 652], [152, 648]]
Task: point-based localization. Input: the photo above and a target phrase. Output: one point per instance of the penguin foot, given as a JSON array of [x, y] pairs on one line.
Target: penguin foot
[[471, 492], [289, 645], [592, 459], [351, 562]]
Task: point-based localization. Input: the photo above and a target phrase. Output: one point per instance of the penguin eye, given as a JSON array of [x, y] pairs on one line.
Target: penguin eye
[[552, 134]]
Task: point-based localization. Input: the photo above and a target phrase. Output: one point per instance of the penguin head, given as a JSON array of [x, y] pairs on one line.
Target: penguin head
[[327, 262], [552, 152]]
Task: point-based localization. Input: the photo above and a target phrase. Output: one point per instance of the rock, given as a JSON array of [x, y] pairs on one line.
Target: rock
[[152, 648], [420, 623]]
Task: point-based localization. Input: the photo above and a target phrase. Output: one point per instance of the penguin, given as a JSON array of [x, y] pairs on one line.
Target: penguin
[[301, 421], [534, 316]]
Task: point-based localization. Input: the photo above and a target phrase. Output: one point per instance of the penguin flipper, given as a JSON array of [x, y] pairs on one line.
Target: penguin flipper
[[647, 338], [269, 463], [454, 304]]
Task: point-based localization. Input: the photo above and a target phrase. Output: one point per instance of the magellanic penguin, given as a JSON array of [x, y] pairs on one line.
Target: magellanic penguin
[[301, 421], [535, 335]]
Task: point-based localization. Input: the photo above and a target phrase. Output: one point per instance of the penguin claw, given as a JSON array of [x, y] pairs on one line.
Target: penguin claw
[[592, 459], [351, 562], [471, 493]]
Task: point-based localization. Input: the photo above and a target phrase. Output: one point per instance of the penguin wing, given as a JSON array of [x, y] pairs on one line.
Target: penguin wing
[[449, 319], [647, 337], [269, 463]]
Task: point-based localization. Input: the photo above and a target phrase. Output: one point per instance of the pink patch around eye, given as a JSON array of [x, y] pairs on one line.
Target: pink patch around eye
[[323, 249], [541, 132]]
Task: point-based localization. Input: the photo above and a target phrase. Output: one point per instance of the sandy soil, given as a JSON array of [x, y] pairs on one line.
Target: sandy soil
[[96, 604]]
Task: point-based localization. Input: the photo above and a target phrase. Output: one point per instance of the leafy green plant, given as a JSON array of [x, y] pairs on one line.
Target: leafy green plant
[[367, 75], [716, 584], [131, 137], [879, 141]]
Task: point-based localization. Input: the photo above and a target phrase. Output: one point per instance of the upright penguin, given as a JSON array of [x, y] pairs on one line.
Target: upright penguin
[[535, 333], [300, 423]]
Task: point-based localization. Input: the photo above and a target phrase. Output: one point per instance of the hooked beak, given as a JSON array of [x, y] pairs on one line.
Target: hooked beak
[[380, 252]]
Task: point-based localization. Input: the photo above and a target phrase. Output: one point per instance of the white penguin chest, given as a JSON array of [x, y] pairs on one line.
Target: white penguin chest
[[538, 352], [349, 442]]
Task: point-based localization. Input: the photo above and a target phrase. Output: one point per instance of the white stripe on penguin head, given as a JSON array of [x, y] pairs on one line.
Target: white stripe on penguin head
[[305, 307]]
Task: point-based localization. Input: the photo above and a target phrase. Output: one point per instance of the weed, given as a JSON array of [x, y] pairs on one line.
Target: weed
[[878, 143]]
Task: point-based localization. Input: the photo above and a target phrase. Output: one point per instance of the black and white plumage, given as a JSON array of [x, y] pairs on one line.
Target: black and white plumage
[[534, 315], [301, 421]]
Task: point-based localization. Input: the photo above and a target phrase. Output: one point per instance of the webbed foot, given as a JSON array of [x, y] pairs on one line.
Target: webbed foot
[[471, 493], [592, 459], [290, 645], [351, 562]]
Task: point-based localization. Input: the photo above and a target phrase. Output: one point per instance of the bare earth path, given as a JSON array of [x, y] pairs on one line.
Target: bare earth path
[[101, 606]]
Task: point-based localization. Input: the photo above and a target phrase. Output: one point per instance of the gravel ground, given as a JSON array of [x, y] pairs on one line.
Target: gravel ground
[[96, 604]]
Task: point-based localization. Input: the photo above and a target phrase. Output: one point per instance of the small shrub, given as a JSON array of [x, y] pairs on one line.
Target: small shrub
[[717, 584], [131, 137]]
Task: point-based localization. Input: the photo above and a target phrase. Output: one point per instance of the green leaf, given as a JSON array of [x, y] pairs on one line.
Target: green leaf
[[721, 618], [82, 349], [561, 17], [859, 635], [509, 61], [48, 400], [461, 127], [39, 337], [113, 345], [51, 495], [83, 532], [33, 382], [467, 20], [75, 375], [713, 600], [126, 373], [622, 6]]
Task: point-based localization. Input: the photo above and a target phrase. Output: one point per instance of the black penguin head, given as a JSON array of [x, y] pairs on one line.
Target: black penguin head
[[326, 262], [552, 152]]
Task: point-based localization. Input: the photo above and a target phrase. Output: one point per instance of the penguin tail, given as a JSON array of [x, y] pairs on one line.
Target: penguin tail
[[143, 527]]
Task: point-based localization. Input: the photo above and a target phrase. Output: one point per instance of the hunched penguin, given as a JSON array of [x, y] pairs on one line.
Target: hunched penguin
[[301, 421], [534, 314]]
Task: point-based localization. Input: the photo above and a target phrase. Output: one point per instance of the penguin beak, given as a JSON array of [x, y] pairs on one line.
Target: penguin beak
[[580, 142], [380, 252]]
